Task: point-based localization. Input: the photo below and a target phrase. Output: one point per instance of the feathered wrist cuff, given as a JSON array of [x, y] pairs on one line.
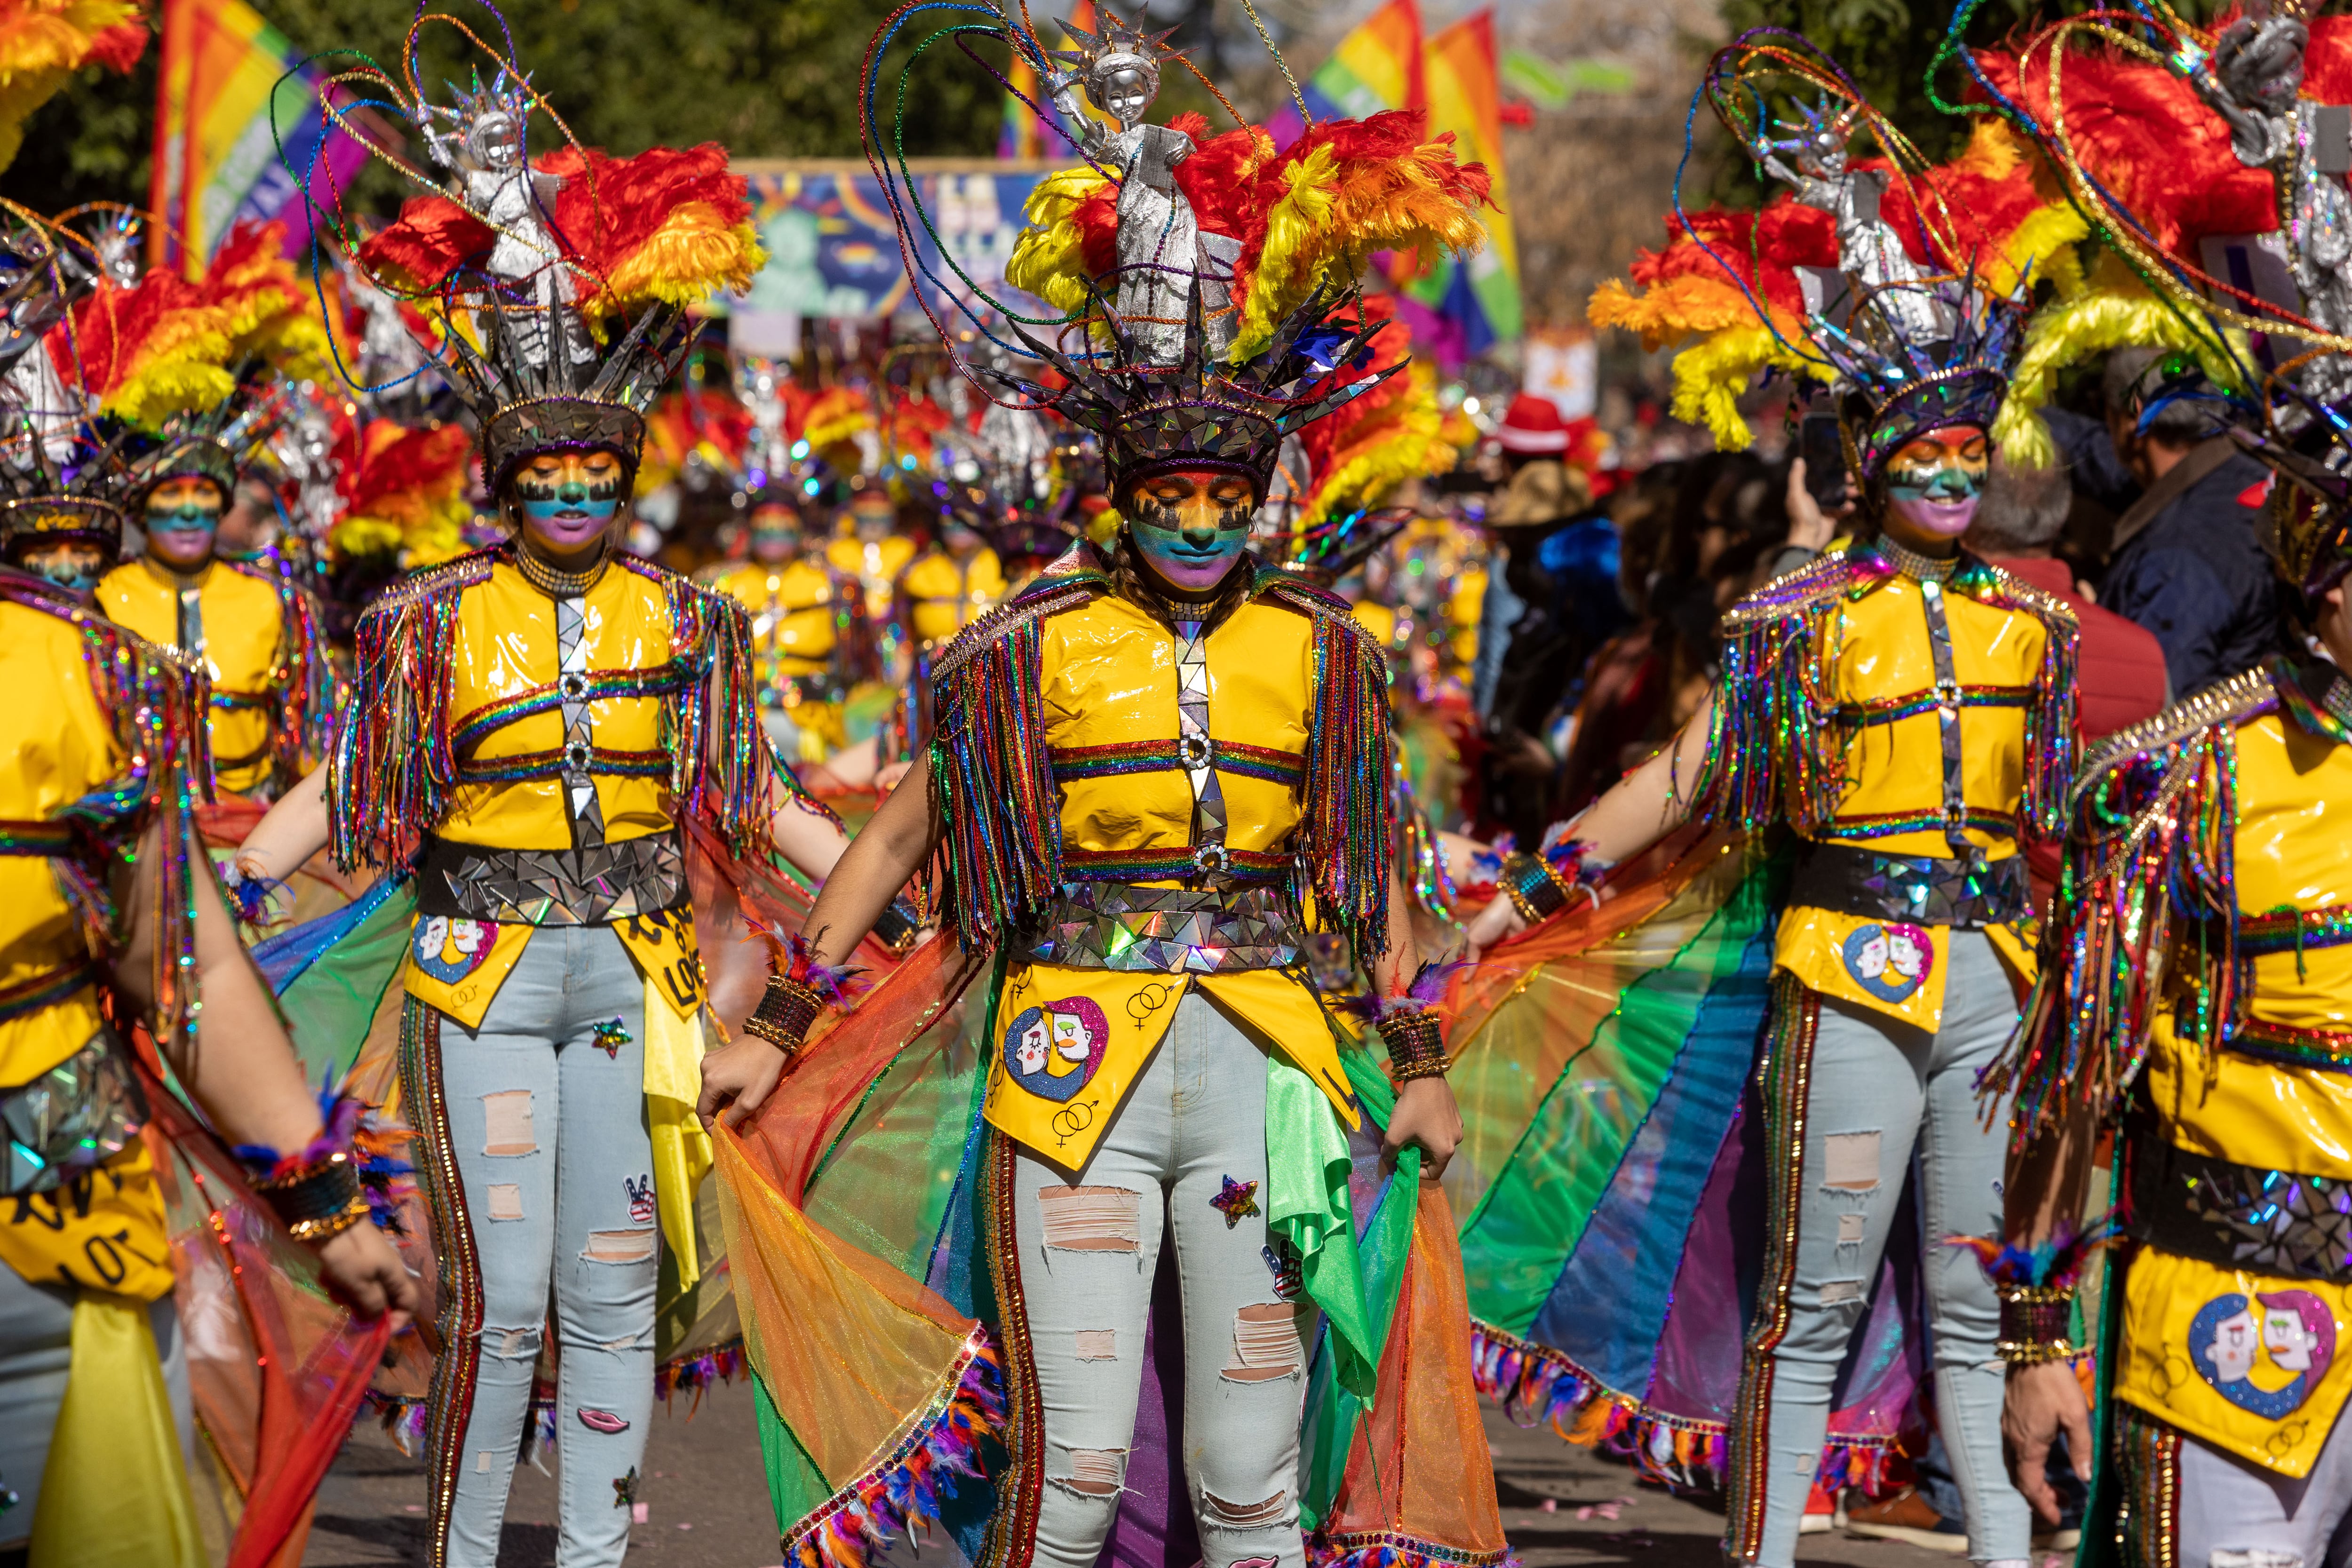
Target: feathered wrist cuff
[[1540, 886], [1409, 1024], [799, 991], [2037, 1286], [317, 1191]]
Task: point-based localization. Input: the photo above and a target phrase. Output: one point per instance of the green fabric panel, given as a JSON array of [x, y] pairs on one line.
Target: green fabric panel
[[1535, 1211], [1306, 1204], [793, 1484], [884, 1186], [329, 1006]]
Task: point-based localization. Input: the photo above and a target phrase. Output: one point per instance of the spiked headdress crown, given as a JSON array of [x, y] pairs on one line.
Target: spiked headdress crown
[[1907, 382]]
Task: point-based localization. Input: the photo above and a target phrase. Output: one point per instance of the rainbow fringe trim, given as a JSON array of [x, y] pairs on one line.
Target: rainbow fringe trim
[[902, 1490], [1537, 1387], [693, 1373], [1389, 1548]]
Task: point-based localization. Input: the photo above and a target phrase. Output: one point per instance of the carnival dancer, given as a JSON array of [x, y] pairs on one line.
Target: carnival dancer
[[112, 918], [1146, 765], [2195, 1005], [951, 585], [810, 640], [1907, 710], [544, 738]]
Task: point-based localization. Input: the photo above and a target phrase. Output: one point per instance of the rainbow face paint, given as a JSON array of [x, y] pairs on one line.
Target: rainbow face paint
[[181, 517], [1934, 480], [1190, 528], [568, 499]]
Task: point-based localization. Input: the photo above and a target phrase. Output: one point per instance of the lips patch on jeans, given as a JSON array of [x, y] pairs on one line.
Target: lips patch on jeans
[[603, 1421]]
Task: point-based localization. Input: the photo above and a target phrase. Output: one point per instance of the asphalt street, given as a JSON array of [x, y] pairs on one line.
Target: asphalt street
[[706, 1505]]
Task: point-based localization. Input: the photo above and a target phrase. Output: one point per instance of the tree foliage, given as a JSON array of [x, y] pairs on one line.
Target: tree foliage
[[772, 79]]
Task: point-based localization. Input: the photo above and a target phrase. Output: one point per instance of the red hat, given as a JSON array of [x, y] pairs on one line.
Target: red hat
[[1533, 425]]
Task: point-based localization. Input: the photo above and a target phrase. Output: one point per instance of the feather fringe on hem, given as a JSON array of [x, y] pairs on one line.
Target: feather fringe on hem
[[902, 1489], [1537, 1387], [1389, 1548]]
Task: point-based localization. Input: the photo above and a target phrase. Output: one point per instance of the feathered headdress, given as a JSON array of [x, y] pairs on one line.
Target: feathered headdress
[[1906, 386], [563, 313], [1738, 290], [43, 42], [402, 493], [1353, 461]]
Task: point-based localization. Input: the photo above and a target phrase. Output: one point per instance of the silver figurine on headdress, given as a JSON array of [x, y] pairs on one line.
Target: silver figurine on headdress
[[1162, 254], [302, 448], [39, 282], [760, 382], [487, 151], [1870, 253], [392, 364], [2253, 80]]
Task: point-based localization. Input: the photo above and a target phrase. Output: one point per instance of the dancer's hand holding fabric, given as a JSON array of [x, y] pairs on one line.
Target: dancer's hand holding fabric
[[1426, 1118], [2043, 1400], [241, 1068]]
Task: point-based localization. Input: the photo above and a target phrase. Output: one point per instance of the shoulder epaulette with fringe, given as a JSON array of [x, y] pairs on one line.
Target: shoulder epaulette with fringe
[[2246, 695]]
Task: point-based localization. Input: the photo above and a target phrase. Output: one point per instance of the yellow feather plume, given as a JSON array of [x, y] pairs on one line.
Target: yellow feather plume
[[1671, 310], [1048, 260], [2114, 310], [1710, 375], [42, 44], [694, 254]]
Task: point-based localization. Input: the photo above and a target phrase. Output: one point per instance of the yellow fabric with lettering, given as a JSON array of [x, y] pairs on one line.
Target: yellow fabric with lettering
[[505, 646], [59, 747], [944, 598], [792, 608], [1070, 1042], [2239, 1360], [115, 1493], [1896, 770], [103, 1230], [244, 653]]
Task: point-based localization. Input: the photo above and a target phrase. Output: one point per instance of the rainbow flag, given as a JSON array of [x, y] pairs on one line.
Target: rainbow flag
[[1029, 133], [1378, 66], [1460, 309], [224, 78]]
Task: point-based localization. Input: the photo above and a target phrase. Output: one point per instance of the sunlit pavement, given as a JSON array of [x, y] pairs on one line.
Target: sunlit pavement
[[707, 1506]]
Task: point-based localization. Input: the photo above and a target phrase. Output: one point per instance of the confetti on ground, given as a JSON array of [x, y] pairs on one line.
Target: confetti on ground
[[1551, 1505], [639, 1512]]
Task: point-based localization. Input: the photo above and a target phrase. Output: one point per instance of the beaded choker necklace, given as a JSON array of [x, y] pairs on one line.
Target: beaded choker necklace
[[554, 583], [1911, 563]]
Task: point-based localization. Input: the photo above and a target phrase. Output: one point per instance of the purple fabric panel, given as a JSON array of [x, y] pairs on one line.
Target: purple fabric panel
[[1153, 1527], [1697, 1368]]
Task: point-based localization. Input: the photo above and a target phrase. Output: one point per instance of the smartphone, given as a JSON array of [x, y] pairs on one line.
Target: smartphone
[[1821, 447]]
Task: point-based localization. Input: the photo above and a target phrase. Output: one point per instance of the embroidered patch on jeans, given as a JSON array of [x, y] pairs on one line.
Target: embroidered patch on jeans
[[624, 1488], [1236, 1203], [1890, 962], [2243, 1347], [1055, 1050], [449, 949], [640, 1198], [1288, 1279]]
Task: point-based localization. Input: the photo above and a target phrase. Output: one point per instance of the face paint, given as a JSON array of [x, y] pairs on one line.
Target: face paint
[[568, 499], [775, 535], [1934, 480], [1190, 528], [75, 567], [181, 517]]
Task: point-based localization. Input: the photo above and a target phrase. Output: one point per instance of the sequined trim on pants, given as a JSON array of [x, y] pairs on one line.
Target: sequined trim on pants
[[451, 1402]]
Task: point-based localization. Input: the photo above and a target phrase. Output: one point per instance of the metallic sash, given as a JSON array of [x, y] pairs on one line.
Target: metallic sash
[[594, 885], [1164, 931], [73, 1118], [1966, 894], [2237, 1216]]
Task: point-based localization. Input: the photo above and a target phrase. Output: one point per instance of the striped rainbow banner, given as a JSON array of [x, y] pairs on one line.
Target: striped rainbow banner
[[224, 78], [1461, 308]]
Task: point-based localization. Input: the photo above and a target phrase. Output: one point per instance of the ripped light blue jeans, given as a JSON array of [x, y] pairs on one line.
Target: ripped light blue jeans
[[547, 1115], [1881, 1088], [1192, 1128]]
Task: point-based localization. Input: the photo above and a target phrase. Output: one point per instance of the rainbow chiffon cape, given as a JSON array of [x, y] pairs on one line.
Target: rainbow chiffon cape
[[1612, 1067]]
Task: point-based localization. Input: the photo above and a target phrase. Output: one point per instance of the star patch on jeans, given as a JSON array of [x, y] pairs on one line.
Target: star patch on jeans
[[610, 1037], [1236, 1203]]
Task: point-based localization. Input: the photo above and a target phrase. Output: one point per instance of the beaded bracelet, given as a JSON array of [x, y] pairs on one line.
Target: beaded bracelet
[[317, 1200], [1540, 886], [786, 1010], [799, 990], [1416, 1046], [2036, 1324]]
